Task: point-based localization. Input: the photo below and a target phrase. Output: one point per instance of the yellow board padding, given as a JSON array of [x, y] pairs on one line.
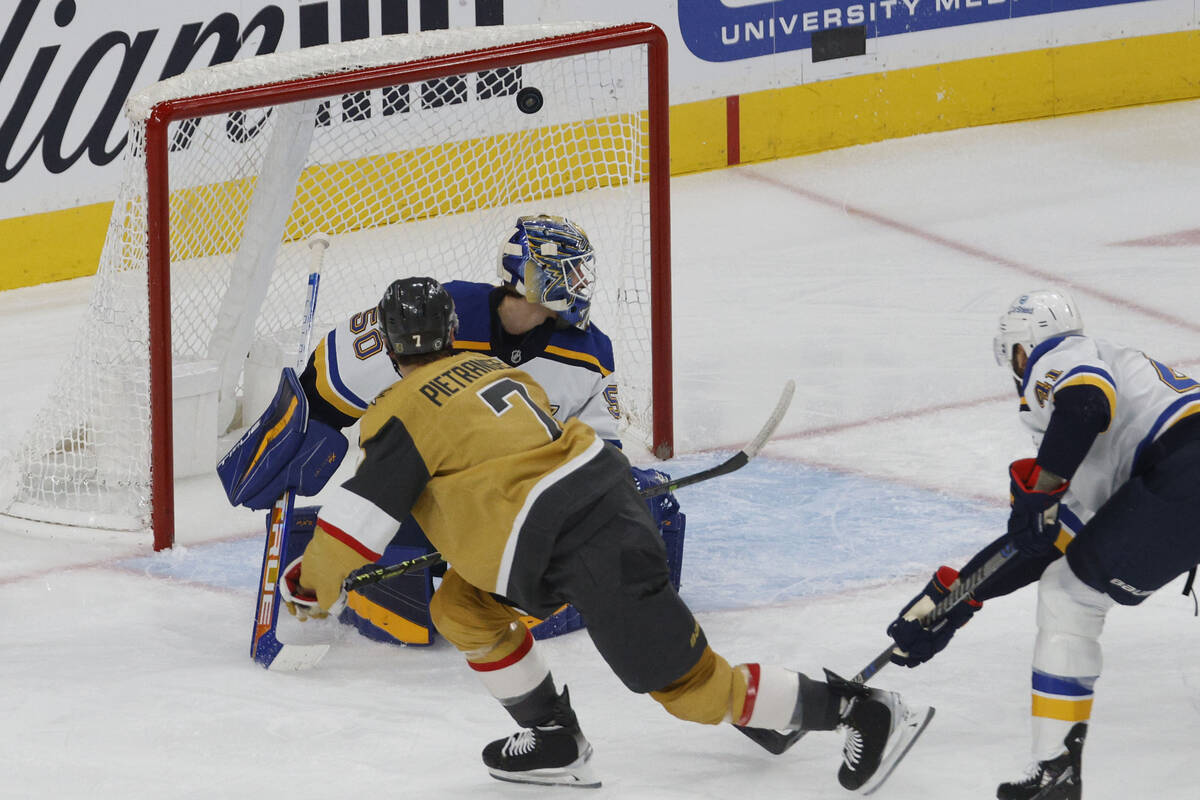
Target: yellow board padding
[[698, 136], [980, 91], [54, 246], [774, 124], [1067, 710], [1146, 69], [889, 105]]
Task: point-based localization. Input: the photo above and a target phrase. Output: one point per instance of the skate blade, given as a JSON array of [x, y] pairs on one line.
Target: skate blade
[[911, 727], [578, 774]]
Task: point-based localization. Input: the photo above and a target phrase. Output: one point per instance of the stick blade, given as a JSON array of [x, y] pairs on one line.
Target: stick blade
[[781, 407], [296, 657]]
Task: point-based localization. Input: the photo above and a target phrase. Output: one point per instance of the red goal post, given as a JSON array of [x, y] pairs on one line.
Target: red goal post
[[568, 63]]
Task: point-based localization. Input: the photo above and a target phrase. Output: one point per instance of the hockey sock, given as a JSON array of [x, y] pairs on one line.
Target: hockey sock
[[521, 681], [772, 696], [535, 707]]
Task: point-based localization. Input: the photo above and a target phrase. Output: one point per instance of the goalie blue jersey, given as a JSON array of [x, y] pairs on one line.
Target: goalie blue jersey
[[350, 366]]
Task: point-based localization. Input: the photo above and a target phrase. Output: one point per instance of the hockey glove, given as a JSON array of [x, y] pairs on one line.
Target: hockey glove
[[302, 602], [915, 643], [1033, 522]]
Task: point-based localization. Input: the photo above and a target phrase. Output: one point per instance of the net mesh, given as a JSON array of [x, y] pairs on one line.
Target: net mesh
[[415, 179]]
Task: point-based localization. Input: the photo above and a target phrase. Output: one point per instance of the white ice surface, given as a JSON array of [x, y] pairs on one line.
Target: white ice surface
[[873, 276]]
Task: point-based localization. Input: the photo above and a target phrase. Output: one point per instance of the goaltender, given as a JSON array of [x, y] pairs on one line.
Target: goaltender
[[532, 514]]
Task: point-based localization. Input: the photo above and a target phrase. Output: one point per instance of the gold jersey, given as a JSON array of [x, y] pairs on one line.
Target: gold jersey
[[468, 446]]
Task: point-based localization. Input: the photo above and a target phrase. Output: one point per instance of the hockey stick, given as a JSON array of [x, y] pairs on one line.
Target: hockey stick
[[740, 459], [265, 647], [366, 577], [273, 654], [779, 741], [957, 593]]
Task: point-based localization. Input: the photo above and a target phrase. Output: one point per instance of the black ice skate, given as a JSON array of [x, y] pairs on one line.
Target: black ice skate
[[880, 730], [1056, 779], [552, 752]]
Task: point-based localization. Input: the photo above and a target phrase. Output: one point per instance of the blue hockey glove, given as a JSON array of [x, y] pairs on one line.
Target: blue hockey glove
[[916, 643], [282, 450], [1033, 522]]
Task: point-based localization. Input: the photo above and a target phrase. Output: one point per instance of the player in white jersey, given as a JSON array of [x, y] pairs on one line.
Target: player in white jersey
[[537, 319], [548, 337], [1113, 486]]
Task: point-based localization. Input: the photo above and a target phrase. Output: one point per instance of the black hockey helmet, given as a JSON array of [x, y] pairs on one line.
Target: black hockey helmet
[[417, 316]]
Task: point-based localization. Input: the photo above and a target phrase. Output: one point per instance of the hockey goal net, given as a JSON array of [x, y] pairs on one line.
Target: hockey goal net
[[415, 154]]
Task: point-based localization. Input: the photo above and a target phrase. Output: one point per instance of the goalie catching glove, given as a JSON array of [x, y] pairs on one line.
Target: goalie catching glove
[[915, 643]]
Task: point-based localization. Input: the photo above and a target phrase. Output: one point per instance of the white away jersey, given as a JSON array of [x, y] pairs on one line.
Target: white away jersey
[[575, 369], [1145, 398]]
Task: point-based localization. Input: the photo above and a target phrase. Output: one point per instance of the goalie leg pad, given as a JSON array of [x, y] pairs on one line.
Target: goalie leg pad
[[672, 529], [395, 611], [664, 510], [304, 524], [565, 620]]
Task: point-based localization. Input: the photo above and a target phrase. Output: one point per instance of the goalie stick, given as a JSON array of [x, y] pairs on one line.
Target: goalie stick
[[737, 461], [779, 741], [265, 647]]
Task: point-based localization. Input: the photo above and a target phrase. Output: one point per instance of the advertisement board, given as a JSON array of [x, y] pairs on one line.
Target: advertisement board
[[66, 67]]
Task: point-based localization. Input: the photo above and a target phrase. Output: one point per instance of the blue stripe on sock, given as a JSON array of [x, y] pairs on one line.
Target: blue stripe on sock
[[1063, 686]]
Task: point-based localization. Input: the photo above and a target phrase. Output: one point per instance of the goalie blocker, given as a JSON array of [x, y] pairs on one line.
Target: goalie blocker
[[396, 611], [283, 450]]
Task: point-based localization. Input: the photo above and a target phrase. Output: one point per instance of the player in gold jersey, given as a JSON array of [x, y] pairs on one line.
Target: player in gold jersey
[[532, 514]]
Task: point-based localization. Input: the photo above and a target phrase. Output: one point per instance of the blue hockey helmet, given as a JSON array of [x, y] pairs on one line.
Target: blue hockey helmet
[[550, 261]]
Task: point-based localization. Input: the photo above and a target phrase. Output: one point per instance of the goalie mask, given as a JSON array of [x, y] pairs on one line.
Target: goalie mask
[[549, 261], [417, 316], [1032, 319]]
